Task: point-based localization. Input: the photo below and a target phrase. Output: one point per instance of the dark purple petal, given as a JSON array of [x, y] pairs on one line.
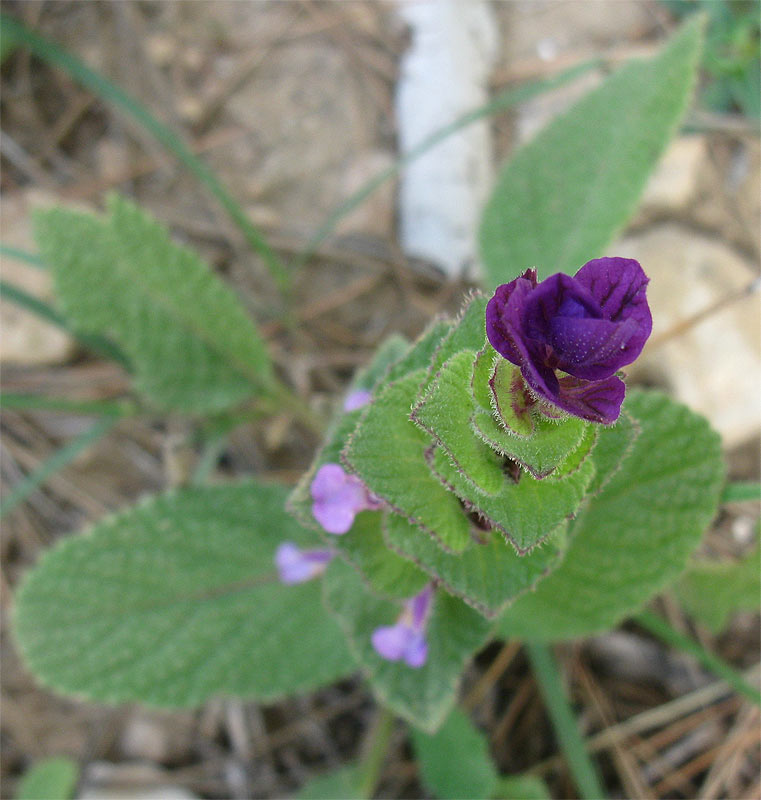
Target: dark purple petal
[[619, 286], [504, 314], [596, 401], [591, 348], [557, 296]]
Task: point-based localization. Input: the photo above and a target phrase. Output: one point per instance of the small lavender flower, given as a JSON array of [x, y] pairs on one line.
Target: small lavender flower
[[405, 641], [587, 326], [338, 497], [357, 399], [295, 565]]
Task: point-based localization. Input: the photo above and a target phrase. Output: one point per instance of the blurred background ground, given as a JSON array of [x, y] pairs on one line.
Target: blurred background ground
[[292, 103]]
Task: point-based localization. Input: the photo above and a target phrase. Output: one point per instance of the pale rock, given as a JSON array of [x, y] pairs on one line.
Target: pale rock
[[146, 738], [444, 74], [374, 216], [548, 29], [113, 160], [162, 49], [26, 338], [132, 780], [714, 367], [161, 792], [675, 181]]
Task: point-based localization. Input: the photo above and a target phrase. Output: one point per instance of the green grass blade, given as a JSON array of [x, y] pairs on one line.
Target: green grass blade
[[109, 92], [501, 102], [22, 255], [46, 312], [550, 682], [660, 628], [33, 402], [741, 491], [57, 461]]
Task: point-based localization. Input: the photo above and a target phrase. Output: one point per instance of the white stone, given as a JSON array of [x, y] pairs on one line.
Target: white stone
[[26, 339], [675, 181], [714, 367], [443, 75]]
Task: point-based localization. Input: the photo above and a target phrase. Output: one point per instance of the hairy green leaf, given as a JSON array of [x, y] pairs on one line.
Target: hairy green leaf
[[191, 343], [50, 779], [525, 512], [342, 784], [385, 572], [444, 412], [423, 696], [562, 197], [521, 787], [488, 575], [421, 352], [636, 535], [550, 444], [176, 600], [341, 427], [467, 333], [397, 473], [454, 761], [509, 399]]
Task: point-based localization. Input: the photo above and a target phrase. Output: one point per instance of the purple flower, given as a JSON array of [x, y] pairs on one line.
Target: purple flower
[[405, 641], [338, 497], [295, 565], [357, 399], [587, 326]]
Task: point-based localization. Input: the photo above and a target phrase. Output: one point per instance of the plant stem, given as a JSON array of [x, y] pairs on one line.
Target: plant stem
[[33, 402], [22, 255], [660, 628], [375, 749], [550, 682], [740, 491]]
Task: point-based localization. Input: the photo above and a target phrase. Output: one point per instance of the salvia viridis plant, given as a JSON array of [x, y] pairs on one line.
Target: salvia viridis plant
[[493, 478]]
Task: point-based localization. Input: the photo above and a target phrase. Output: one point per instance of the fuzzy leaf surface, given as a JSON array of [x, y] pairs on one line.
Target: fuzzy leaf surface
[[387, 573], [487, 576], [563, 196], [176, 600], [550, 444], [636, 535], [508, 399], [193, 346], [341, 784], [525, 512], [50, 779], [421, 352], [468, 333], [422, 696], [454, 761], [342, 426], [445, 411], [387, 453]]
